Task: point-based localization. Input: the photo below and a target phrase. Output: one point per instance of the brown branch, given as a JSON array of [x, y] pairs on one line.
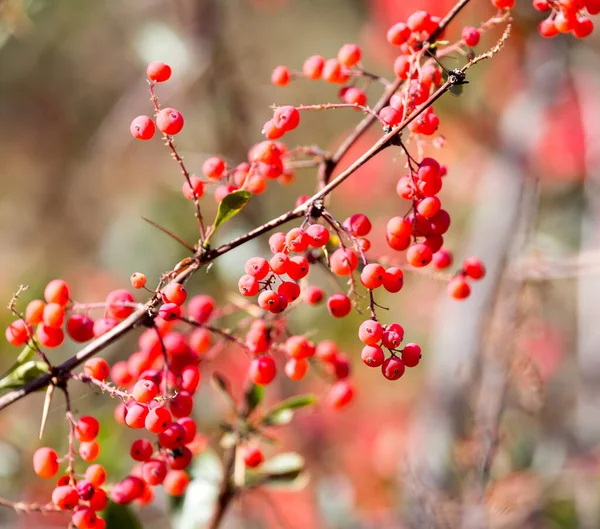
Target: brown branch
[[204, 255]]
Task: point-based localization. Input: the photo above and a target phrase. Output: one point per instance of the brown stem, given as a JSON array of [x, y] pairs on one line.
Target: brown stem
[[204, 256]]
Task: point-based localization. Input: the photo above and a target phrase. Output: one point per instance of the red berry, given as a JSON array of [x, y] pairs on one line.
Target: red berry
[[339, 305], [391, 116], [393, 279], [127, 491], [96, 475], [343, 261], [80, 328], [370, 332], [458, 288], [213, 168], [49, 336], [286, 118], [340, 394], [169, 312], [169, 121], [281, 76], [327, 351], [393, 368], [181, 405], [358, 225], [411, 354], [142, 128], [85, 518], [474, 268], [372, 276], [57, 291], [296, 368], [138, 280], [471, 36], [17, 333], [173, 437], [104, 325], [175, 483], [398, 34], [136, 415], [349, 55], [419, 255], [253, 457], [441, 259], [45, 462], [87, 428], [262, 370], [372, 355], [200, 308], [65, 497], [119, 304], [144, 391], [158, 71], [89, 451], [34, 313], [313, 66], [313, 295]]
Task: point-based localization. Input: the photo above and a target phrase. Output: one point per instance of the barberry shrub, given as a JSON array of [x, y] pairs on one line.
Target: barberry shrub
[[155, 389]]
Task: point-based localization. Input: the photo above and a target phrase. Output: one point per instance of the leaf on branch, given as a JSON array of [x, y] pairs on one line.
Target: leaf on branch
[[284, 411], [229, 207], [120, 516], [284, 471], [25, 355], [254, 397], [23, 374]]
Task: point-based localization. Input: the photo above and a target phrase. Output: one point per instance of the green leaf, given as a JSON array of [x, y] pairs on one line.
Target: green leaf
[[24, 356], [23, 374], [222, 386], [120, 517], [285, 470], [254, 397], [284, 411], [229, 207]]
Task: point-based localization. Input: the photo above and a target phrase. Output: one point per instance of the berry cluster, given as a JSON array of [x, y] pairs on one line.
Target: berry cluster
[[155, 386], [567, 16]]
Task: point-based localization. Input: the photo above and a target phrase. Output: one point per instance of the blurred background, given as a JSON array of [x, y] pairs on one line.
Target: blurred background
[[506, 403]]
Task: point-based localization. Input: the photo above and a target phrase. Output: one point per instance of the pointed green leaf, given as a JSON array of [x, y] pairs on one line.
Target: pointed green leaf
[[25, 355], [120, 516], [254, 397], [284, 411], [23, 374], [230, 206]]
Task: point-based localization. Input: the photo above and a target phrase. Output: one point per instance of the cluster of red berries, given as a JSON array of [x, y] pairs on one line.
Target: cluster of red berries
[[57, 314], [567, 16]]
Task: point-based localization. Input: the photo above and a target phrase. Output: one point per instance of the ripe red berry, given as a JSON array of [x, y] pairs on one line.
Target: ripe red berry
[[138, 280], [45, 462], [474, 268], [200, 308], [349, 55], [96, 475], [17, 333], [458, 288], [65, 497], [327, 351], [441, 259], [262, 370], [87, 428], [213, 168], [34, 313], [281, 76], [313, 295], [339, 305], [141, 450], [393, 368], [142, 128], [181, 405], [103, 325], [253, 457], [340, 394], [127, 490], [144, 391], [173, 437], [370, 332], [411, 354], [372, 276], [57, 291], [119, 304], [313, 67], [297, 240], [393, 279], [358, 225], [419, 255], [136, 415], [289, 290], [54, 315], [286, 118], [158, 71], [49, 336], [89, 451], [372, 355], [471, 36], [390, 116], [296, 368], [169, 311], [85, 518], [398, 34], [80, 328], [343, 261], [169, 121], [154, 471], [354, 96], [547, 28], [175, 483]]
